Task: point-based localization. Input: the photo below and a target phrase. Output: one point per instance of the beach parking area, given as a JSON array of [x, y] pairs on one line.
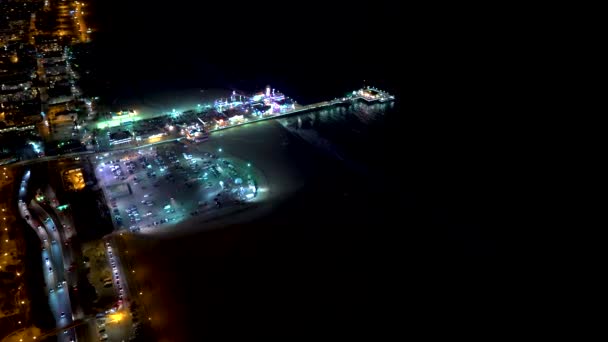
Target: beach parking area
[[153, 188]]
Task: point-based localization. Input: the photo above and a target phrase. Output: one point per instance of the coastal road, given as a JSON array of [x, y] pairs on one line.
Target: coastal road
[[59, 301], [67, 233], [59, 298], [47, 265], [51, 230]]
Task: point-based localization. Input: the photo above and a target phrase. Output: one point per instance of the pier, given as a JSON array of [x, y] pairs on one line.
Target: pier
[[367, 94]]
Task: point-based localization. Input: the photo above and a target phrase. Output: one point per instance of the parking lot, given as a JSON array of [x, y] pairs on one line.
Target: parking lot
[[158, 186], [65, 130]]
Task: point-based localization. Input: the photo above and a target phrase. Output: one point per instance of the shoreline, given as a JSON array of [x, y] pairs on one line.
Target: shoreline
[[277, 180]]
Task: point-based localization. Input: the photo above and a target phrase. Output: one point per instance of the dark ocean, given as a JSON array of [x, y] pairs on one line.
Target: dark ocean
[[307, 51], [390, 196]]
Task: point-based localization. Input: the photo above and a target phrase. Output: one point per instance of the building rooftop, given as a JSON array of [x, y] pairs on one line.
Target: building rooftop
[[119, 135]]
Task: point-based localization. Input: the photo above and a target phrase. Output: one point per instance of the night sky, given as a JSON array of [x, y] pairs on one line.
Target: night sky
[[306, 45]]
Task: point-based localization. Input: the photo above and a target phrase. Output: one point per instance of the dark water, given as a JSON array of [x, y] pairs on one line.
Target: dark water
[[321, 263], [141, 48], [354, 135], [377, 194], [306, 268]]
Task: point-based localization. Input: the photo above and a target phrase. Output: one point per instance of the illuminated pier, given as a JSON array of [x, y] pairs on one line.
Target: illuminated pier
[[200, 133], [367, 94]]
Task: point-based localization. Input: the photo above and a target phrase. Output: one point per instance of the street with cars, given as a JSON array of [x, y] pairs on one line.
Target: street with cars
[[53, 262]]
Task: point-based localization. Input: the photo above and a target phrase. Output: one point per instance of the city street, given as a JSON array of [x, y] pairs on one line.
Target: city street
[[66, 234], [57, 257], [52, 261]]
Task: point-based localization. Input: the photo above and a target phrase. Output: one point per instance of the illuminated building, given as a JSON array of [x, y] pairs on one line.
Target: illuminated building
[[195, 132], [124, 113], [237, 119], [257, 97], [149, 133], [73, 179], [119, 118]]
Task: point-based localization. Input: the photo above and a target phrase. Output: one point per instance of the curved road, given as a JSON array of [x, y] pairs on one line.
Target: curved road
[[59, 299]]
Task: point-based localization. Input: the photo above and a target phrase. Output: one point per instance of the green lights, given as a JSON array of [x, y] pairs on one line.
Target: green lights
[[117, 121]]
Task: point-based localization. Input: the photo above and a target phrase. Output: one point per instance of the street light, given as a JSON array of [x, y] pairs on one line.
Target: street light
[[116, 317]]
